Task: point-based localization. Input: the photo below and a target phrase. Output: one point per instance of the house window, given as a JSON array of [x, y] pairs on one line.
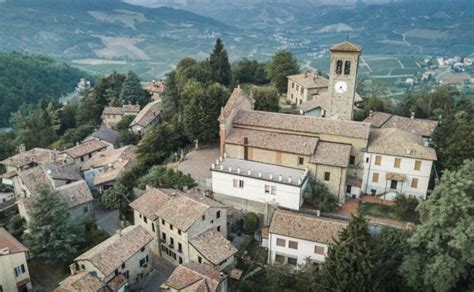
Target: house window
[[171, 226], [367, 160], [140, 215], [396, 164], [238, 183], [393, 184], [123, 265], [218, 229], [318, 249], [375, 177], [144, 219], [199, 259], [179, 231], [293, 244], [347, 68], [352, 160], [153, 227], [378, 160], [116, 272], [162, 222], [297, 87], [1, 288], [292, 261], [267, 189], [292, 85], [414, 183], [300, 160], [171, 240], [19, 270], [348, 189], [218, 214], [281, 242], [83, 267], [338, 67], [180, 247], [180, 260], [327, 176], [163, 236], [203, 217], [142, 249], [417, 165], [302, 90], [86, 209], [143, 261]]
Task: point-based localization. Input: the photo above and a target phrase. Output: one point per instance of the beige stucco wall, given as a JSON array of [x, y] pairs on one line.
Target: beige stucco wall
[[8, 280], [337, 180]]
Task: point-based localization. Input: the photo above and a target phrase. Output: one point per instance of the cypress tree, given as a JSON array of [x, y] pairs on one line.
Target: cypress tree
[[220, 64], [132, 91]]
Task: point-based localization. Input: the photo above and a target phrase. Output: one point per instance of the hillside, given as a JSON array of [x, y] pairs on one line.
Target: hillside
[[107, 35], [30, 78]]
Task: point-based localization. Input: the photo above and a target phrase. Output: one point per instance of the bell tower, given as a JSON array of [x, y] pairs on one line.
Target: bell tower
[[342, 80]]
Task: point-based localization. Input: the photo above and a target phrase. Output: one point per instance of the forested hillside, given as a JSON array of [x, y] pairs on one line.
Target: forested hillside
[[30, 78]]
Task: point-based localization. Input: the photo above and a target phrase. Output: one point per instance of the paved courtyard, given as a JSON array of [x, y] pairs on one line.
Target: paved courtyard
[[198, 164], [107, 220], [163, 269]]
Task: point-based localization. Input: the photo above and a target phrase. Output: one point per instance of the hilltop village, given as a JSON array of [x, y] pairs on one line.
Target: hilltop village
[[229, 194]]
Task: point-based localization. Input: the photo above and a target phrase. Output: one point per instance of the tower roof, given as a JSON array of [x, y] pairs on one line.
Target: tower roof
[[346, 47]]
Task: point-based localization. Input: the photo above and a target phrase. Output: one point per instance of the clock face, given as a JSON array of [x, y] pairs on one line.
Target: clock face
[[340, 87]]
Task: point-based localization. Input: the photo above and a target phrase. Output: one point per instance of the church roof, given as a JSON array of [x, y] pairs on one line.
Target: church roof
[[238, 99], [346, 47]]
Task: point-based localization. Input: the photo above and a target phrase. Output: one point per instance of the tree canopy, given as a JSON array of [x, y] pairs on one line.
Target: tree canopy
[[283, 64], [220, 65], [162, 177], [266, 99]]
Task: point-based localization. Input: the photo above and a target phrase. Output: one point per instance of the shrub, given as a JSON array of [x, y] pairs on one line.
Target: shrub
[[250, 222], [405, 208], [319, 196]]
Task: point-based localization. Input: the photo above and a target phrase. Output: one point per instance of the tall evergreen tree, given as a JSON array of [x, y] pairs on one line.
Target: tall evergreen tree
[[219, 61], [442, 256], [352, 264], [51, 233], [132, 91]]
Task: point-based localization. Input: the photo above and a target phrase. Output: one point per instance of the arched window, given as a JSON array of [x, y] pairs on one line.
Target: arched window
[[347, 68], [338, 67]]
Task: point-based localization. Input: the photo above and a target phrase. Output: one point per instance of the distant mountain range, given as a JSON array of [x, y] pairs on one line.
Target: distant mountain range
[[106, 35]]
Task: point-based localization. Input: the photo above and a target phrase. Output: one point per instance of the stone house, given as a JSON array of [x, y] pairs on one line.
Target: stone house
[[102, 168], [397, 162], [195, 277], [146, 118], [84, 151], [14, 273], [304, 87], [294, 238], [112, 115], [183, 226], [122, 259]]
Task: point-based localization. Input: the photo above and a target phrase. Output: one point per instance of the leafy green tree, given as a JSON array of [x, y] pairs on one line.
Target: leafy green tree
[[391, 247], [277, 276], [405, 208], [18, 226], [319, 196], [130, 177], [7, 146], [308, 278], [33, 128], [132, 91], [351, 263], [453, 138], [442, 256], [92, 235], [124, 123], [67, 116], [266, 99], [90, 109], [127, 137], [170, 101], [162, 177], [249, 71], [283, 64], [250, 222], [117, 197], [219, 61], [51, 233], [76, 135]]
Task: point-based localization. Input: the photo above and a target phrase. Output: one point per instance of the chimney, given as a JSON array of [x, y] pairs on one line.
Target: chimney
[[318, 213], [230, 168], [4, 251], [213, 166], [259, 174], [371, 113], [238, 170], [289, 179], [305, 74], [249, 172], [270, 176], [412, 115], [279, 178]]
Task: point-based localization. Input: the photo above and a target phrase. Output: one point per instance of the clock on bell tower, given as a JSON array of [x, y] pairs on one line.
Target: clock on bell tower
[[342, 79]]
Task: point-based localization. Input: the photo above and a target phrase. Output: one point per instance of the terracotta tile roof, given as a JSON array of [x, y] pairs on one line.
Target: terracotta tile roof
[[117, 282], [183, 209], [194, 276], [397, 142], [335, 154], [85, 148], [317, 101], [109, 156], [346, 47], [213, 246], [35, 155], [148, 114], [420, 127], [34, 177], [58, 170], [7, 241], [112, 172], [305, 226], [75, 194], [105, 134], [128, 108], [301, 124], [149, 202], [80, 282], [237, 100], [298, 144], [264, 171], [108, 255], [310, 80]]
